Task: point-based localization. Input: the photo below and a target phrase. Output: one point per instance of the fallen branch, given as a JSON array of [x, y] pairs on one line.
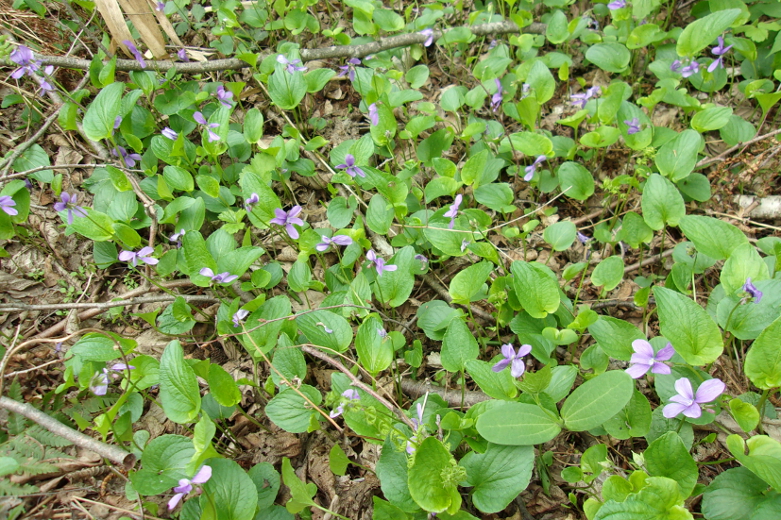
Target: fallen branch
[[728, 151], [112, 453], [336, 51], [416, 389], [6, 307]]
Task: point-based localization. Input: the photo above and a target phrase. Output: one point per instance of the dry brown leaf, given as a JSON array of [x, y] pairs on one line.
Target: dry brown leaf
[[112, 15]]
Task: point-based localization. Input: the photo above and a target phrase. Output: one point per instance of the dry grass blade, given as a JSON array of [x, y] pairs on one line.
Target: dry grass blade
[[139, 12], [168, 29], [112, 15]]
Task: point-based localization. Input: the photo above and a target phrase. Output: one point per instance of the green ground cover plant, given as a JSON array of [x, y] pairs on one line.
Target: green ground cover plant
[[478, 135]]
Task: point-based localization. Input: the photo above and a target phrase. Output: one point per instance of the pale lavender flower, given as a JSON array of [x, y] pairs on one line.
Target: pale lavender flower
[[176, 238], [452, 213], [98, 385], [382, 333], [464, 244], [224, 96], [349, 69], [689, 70], [720, 50], [350, 168], [644, 359], [159, 7], [186, 485], [532, 168], [119, 367], [135, 52], [752, 290], [251, 201], [326, 329], [23, 56], [239, 316], [582, 98], [182, 55], [225, 277], [287, 219], [616, 4], [69, 202], [583, 239], [208, 126], [429, 34], [117, 122], [291, 66], [592, 23], [513, 359], [338, 240], [676, 65], [43, 82], [143, 255], [7, 204], [351, 395], [416, 425], [525, 90], [169, 134], [688, 402], [374, 115], [379, 263], [129, 159], [633, 125], [496, 99], [423, 261]]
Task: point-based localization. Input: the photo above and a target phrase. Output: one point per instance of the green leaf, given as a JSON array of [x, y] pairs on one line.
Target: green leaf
[[608, 273], [417, 76], [615, 336], [611, 56], [633, 421], [458, 346], [498, 475], [560, 235], [375, 353], [291, 412], [746, 414], [575, 181], [394, 287], [695, 186], [474, 167], [597, 400], [300, 494], [392, 472], [426, 484], [35, 157], [222, 386], [180, 395], [230, 491], [511, 423], [556, 30], [8, 465], [178, 178], [688, 327], [713, 118], [315, 326], [163, 463], [711, 236], [701, 33], [662, 203], [253, 125], [738, 494], [99, 120], [498, 385], [380, 214], [744, 262], [466, 285], [285, 89], [676, 158], [536, 288], [668, 457], [763, 361], [660, 499], [541, 81], [763, 459], [95, 347], [97, 226], [266, 481]]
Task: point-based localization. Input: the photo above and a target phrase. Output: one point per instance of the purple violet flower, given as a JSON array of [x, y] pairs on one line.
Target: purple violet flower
[[752, 290], [633, 125], [169, 134], [379, 263], [224, 96], [496, 99], [291, 66], [423, 261], [69, 202], [239, 316], [208, 126], [350, 168], [688, 402], [374, 116], [182, 55], [464, 244], [117, 122], [581, 99], [583, 239], [186, 485], [119, 367], [7, 205], [429, 34], [452, 213], [159, 7], [142, 255], [349, 69], [689, 70], [251, 201], [720, 50], [128, 158], [176, 238], [43, 82], [351, 395], [23, 57], [287, 219], [513, 358], [616, 4], [225, 277], [644, 359], [98, 384], [532, 168], [135, 52], [338, 240]]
